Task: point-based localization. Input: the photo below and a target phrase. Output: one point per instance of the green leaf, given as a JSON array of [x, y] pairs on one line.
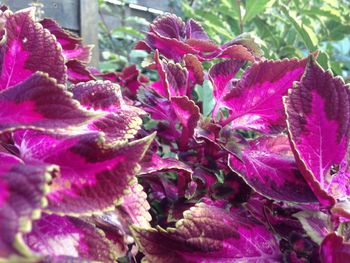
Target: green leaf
[[205, 94], [302, 31], [231, 8], [188, 10], [337, 30], [207, 98], [255, 7], [127, 30], [323, 60], [336, 68], [216, 24], [220, 176]]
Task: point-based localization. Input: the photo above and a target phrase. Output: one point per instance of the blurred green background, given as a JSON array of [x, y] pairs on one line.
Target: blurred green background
[[282, 28]]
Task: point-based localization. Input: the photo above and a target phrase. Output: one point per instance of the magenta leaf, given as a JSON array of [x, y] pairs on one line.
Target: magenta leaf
[[177, 79], [234, 52], [318, 123], [169, 26], [256, 100], [22, 195], [39, 102], [174, 39], [194, 30], [66, 39], [268, 166], [335, 249], [63, 236], [94, 175], [161, 109], [157, 164], [98, 95], [136, 207], [221, 75], [115, 224], [188, 115], [173, 78], [115, 228], [209, 234], [27, 43], [76, 55], [131, 79], [77, 72], [118, 127], [71, 44], [203, 46]]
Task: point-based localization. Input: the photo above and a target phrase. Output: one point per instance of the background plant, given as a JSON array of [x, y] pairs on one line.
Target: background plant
[[286, 30]]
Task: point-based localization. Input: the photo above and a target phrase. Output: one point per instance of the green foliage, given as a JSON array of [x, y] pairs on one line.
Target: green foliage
[[205, 95], [118, 34], [286, 28]]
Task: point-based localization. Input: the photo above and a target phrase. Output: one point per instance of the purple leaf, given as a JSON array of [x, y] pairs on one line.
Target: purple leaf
[[77, 72], [169, 26], [64, 236], [334, 249], [169, 47], [131, 79], [157, 164], [161, 109], [234, 52], [99, 95], [268, 166], [71, 44], [237, 52], [22, 195], [188, 115], [209, 234], [318, 123], [66, 39], [39, 102], [177, 79], [342, 210], [220, 76], [94, 175], [136, 207], [195, 70], [27, 43], [122, 121], [173, 78], [167, 34], [194, 30], [247, 41], [203, 46], [256, 101]]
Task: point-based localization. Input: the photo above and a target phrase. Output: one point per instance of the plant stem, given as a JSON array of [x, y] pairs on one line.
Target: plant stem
[[240, 16], [107, 31]]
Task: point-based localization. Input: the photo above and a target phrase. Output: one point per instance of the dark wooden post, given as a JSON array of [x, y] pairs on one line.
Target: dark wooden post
[[79, 16]]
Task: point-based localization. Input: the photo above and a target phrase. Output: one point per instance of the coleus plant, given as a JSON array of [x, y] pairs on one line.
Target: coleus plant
[[245, 162]]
